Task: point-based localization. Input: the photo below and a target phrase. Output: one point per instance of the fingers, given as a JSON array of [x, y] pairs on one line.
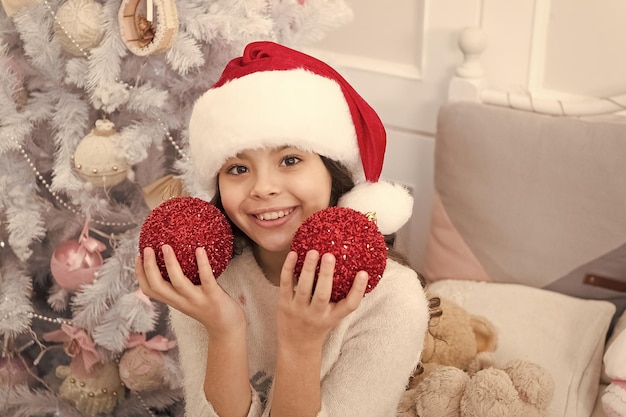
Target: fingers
[[149, 276], [148, 273], [324, 284], [207, 279], [357, 291], [152, 282], [141, 275], [175, 273], [304, 289], [286, 276], [316, 286]]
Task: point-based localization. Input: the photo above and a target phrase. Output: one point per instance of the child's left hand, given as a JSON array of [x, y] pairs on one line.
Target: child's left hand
[[305, 314]]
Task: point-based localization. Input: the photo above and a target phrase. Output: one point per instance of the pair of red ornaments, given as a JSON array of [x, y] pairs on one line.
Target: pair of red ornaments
[[186, 223]]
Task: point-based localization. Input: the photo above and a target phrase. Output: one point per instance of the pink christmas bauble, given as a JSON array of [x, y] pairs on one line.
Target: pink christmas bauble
[[13, 371], [72, 265], [352, 238], [187, 223]]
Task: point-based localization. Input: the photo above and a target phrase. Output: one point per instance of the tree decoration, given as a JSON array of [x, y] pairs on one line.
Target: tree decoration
[[57, 78], [91, 385], [144, 34], [352, 237], [95, 393], [187, 223], [98, 158], [14, 371], [142, 365], [162, 190], [79, 346], [79, 25], [74, 263]]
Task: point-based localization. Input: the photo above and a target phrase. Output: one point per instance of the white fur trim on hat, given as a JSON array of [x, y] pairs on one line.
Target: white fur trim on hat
[[268, 109], [392, 203]]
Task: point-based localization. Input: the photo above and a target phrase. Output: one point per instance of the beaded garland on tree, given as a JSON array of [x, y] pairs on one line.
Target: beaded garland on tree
[[352, 238], [63, 74], [187, 223]]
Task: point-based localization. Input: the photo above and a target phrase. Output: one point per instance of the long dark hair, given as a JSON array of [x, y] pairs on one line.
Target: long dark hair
[[341, 183]]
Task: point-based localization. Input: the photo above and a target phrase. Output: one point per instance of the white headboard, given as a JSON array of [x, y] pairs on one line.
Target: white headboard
[[470, 83]]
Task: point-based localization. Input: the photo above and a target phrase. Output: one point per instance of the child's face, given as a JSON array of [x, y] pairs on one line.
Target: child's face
[[269, 192]]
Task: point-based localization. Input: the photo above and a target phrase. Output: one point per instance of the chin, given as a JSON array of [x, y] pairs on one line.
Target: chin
[[267, 241], [275, 248]]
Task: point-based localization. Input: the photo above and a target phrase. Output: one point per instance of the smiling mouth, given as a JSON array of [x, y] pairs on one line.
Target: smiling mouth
[[273, 215]]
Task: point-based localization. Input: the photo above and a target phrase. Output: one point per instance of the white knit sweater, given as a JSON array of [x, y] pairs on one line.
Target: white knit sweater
[[367, 359]]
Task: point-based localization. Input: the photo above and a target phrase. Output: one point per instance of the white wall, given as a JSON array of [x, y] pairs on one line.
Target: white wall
[[401, 58]]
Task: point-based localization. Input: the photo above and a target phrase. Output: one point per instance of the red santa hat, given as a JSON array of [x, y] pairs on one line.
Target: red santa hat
[[275, 96]]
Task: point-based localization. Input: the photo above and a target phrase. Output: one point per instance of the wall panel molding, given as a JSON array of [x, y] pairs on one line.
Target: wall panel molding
[[393, 48], [379, 66]]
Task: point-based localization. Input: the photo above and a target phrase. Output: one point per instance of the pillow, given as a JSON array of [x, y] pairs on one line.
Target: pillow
[[603, 278], [619, 328], [529, 199], [613, 398], [563, 334]]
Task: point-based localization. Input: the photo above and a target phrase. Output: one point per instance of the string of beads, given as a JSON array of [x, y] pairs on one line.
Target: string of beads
[[128, 86], [31, 315], [61, 201], [86, 54]]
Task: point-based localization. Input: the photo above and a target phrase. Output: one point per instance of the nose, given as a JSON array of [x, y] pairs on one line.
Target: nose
[[265, 185]]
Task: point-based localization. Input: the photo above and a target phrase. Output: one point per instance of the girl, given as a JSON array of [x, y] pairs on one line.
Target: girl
[[280, 136]]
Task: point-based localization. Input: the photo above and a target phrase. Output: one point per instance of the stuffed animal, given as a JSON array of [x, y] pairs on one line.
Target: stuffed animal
[[455, 338], [459, 377], [614, 397]]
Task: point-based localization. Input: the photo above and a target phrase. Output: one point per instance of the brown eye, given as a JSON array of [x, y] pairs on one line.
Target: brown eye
[[290, 160], [237, 170]]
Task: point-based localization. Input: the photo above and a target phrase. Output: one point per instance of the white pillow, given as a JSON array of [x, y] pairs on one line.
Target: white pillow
[[563, 334]]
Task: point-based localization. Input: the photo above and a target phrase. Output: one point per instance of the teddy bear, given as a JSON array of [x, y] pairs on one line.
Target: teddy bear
[[614, 396], [459, 377]]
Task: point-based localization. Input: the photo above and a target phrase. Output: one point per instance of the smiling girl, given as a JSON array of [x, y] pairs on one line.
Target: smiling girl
[[280, 136]]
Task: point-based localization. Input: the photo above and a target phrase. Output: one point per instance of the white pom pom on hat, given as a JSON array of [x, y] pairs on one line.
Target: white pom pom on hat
[[391, 203], [274, 96]]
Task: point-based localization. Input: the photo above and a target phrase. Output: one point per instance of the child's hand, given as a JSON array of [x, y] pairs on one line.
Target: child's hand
[[305, 314], [208, 303]]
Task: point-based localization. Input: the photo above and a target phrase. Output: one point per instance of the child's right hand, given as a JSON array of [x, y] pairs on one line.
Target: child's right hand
[[208, 303]]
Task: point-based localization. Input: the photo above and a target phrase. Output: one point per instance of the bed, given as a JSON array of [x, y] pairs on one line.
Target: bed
[[528, 226]]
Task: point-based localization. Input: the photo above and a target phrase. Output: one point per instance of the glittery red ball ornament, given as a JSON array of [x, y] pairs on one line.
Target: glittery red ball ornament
[[186, 223], [352, 237]]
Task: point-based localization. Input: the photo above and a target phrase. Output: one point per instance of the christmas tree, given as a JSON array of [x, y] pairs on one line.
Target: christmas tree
[[94, 100]]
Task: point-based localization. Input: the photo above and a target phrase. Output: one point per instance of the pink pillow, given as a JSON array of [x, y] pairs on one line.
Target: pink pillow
[[447, 254]]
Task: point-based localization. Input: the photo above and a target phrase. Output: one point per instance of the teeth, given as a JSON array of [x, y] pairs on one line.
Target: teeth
[[273, 215]]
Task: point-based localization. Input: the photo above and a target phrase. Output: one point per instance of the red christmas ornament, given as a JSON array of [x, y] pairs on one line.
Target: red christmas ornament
[[186, 223], [352, 237]]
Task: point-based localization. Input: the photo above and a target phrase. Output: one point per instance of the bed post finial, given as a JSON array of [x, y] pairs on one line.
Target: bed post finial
[[468, 79], [472, 43]]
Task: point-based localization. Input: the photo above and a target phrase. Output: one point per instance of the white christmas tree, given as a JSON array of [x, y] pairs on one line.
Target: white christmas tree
[[94, 100]]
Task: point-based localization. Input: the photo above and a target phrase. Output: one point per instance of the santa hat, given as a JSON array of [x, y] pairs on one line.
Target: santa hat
[[274, 96]]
